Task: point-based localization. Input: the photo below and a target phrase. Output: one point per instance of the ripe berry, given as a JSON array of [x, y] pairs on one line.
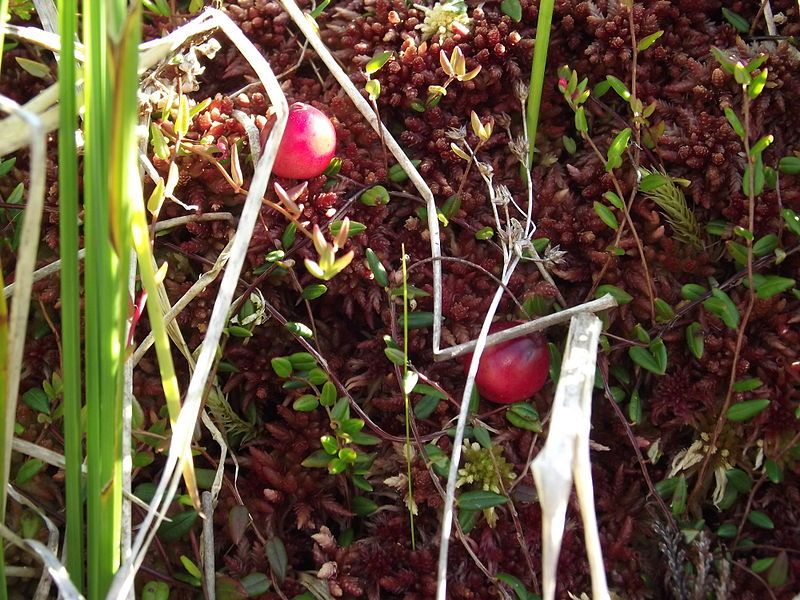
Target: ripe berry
[[514, 370], [308, 143]]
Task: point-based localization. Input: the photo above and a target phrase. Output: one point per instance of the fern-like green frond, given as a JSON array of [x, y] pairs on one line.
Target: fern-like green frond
[[664, 191]]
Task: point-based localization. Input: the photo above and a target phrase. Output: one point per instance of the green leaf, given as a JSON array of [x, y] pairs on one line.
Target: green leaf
[[480, 500], [759, 519], [747, 385], [363, 506], [617, 147], [425, 406], [341, 410], [761, 145], [305, 403], [762, 564], [7, 165], [773, 470], [377, 62], [316, 460], [606, 215], [155, 590], [620, 88], [524, 416], [467, 519], [739, 22], [299, 329], [692, 291], [395, 356], [747, 409], [451, 206], [779, 571], [734, 121], [182, 118], [580, 120], [313, 291], [37, 400], [789, 165], [740, 480], [792, 220], [768, 286], [678, 503], [614, 200], [410, 379], [664, 311], [361, 483], [516, 585], [377, 268], [438, 459], [737, 251], [377, 195], [28, 470], [302, 361], [289, 234], [418, 320], [620, 295], [569, 144], [328, 395], [373, 88], [180, 525], [282, 366], [32, 67], [765, 245], [512, 8], [653, 359], [648, 40], [190, 567], [666, 487], [758, 178], [481, 435], [429, 390], [258, 584], [727, 530], [695, 339], [635, 408], [364, 439], [398, 175], [355, 228], [318, 10], [276, 555], [721, 305]]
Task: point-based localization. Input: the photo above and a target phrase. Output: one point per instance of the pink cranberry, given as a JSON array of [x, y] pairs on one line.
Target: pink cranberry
[[308, 144], [512, 371]]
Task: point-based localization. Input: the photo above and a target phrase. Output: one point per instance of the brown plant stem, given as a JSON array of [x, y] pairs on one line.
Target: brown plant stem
[[694, 497]]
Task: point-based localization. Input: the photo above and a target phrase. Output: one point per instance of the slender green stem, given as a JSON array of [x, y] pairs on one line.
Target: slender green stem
[[70, 310], [537, 72], [406, 399]]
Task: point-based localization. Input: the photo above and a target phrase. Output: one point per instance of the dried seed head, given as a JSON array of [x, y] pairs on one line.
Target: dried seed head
[[520, 90], [485, 169], [502, 195], [503, 120], [457, 134], [519, 148]]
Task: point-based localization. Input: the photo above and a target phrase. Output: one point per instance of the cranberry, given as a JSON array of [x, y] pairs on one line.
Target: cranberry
[[308, 143], [514, 370]]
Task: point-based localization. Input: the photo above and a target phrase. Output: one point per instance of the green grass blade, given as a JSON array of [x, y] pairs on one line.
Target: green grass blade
[[104, 320], [70, 311], [4, 446], [537, 72]]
